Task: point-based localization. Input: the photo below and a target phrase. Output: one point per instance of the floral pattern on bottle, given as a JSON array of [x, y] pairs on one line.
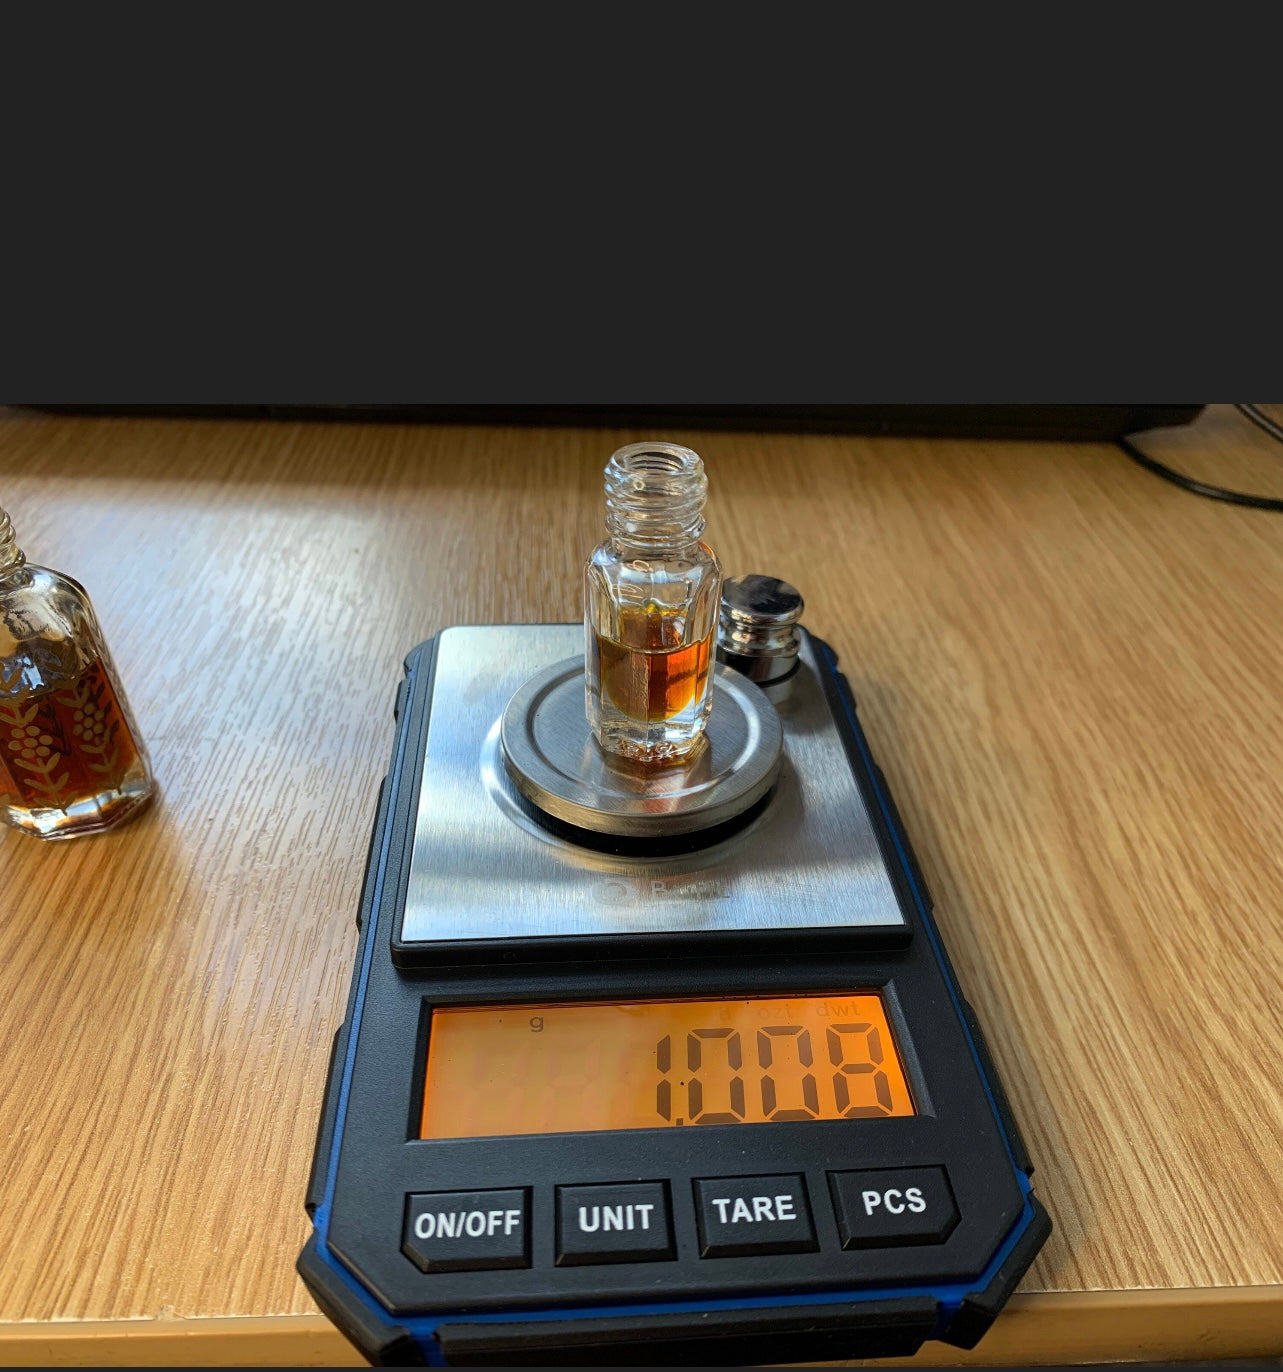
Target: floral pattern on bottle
[[62, 746]]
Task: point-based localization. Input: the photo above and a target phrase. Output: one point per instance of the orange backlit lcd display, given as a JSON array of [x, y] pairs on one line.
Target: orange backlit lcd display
[[647, 1064]]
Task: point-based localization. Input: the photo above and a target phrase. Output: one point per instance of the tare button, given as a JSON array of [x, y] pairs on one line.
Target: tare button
[[625, 1223], [465, 1231], [898, 1205], [743, 1216]]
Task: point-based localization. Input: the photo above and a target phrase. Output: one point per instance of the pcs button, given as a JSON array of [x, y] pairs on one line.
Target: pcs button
[[896, 1205]]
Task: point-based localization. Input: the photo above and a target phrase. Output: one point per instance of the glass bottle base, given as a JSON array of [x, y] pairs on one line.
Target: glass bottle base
[[653, 751], [89, 815], [653, 747]]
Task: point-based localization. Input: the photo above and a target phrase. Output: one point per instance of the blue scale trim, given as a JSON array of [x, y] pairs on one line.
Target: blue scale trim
[[423, 1328]]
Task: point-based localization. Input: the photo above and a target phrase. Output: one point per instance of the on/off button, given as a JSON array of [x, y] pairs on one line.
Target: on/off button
[[467, 1231]]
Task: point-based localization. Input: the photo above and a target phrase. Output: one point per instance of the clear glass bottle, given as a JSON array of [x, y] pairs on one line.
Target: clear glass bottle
[[71, 758], [650, 607]]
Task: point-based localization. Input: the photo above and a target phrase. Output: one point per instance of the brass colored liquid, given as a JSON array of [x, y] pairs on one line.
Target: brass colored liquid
[[70, 750], [648, 674]]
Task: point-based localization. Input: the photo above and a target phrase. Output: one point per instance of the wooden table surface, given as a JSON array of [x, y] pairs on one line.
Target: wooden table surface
[[1069, 669]]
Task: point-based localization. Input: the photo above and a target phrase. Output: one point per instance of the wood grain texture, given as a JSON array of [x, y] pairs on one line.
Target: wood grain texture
[[1068, 668]]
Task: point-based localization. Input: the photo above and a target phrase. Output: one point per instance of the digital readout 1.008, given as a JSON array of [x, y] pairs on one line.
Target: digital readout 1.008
[[559, 1069]]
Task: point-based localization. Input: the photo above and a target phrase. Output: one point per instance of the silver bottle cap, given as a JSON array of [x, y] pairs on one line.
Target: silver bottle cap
[[757, 630]]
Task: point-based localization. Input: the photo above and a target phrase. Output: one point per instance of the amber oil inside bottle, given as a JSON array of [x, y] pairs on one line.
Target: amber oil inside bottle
[[68, 752], [650, 672]]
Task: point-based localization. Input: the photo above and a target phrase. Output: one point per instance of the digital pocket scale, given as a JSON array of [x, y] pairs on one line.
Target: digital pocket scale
[[652, 1066]]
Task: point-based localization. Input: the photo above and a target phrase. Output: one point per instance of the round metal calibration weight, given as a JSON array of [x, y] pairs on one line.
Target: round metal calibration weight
[[556, 763], [757, 629]]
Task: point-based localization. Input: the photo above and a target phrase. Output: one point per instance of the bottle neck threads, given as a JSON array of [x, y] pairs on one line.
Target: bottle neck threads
[[655, 494], [11, 556]]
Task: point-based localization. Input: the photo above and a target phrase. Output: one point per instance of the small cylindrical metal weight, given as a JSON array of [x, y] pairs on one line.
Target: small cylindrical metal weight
[[757, 630]]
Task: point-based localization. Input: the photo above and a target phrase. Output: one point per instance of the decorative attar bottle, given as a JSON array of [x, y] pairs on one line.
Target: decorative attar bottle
[[650, 607], [71, 758]]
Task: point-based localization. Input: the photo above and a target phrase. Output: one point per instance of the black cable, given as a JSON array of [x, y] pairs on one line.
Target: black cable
[[1261, 420], [1189, 483]]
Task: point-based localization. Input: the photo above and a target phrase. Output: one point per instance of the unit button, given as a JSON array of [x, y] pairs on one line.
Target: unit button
[[622, 1223], [466, 1231], [743, 1216], [895, 1205]]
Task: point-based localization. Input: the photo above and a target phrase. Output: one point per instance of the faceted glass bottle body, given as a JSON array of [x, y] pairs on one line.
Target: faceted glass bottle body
[[71, 758], [651, 599]]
